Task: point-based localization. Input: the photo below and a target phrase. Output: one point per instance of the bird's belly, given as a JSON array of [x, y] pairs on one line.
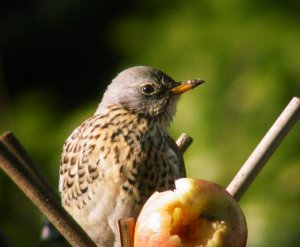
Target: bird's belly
[[98, 217]]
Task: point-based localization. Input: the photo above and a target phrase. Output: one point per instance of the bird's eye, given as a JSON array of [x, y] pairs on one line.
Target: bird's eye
[[147, 88]]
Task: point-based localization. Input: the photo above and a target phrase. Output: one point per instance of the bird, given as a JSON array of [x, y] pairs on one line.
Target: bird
[[115, 160]]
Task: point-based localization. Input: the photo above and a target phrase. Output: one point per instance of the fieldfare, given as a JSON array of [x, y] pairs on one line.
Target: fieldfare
[[117, 158]]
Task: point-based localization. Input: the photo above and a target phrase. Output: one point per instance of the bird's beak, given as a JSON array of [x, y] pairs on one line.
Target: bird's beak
[[186, 86]]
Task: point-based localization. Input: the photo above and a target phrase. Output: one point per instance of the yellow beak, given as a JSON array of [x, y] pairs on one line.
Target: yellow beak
[[186, 86]]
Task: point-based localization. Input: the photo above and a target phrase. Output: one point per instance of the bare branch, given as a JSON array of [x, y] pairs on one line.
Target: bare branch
[[15, 147], [126, 232], [265, 149], [183, 142], [44, 199]]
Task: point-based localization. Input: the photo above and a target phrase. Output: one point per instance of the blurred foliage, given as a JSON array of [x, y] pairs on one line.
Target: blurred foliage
[[56, 59]]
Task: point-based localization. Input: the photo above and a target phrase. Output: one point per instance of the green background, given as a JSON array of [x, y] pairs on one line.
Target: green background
[[58, 57]]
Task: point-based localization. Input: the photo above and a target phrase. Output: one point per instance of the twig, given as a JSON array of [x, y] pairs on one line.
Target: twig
[[265, 149], [15, 147], [46, 201], [183, 142], [126, 232]]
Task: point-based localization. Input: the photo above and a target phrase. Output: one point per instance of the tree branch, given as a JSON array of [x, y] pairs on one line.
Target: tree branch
[[265, 149], [17, 167]]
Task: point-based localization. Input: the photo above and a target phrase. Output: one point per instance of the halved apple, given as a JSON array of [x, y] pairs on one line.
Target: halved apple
[[196, 213]]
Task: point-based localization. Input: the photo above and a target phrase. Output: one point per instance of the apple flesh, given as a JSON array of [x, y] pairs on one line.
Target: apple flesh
[[196, 213]]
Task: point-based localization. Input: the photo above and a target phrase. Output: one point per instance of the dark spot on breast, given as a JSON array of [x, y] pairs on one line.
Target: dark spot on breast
[[126, 138], [69, 147], [124, 187], [108, 150], [116, 134], [92, 168], [65, 159], [97, 136], [127, 190], [116, 149], [134, 164], [130, 121], [94, 175], [105, 137], [92, 146], [74, 136], [70, 182], [117, 158], [115, 116], [139, 156], [73, 161], [104, 126], [128, 156], [74, 195], [83, 189], [131, 181], [134, 174], [100, 116], [96, 126], [130, 141], [81, 173], [78, 148], [71, 174]]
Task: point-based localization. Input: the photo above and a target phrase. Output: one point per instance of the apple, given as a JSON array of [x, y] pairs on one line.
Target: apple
[[196, 213]]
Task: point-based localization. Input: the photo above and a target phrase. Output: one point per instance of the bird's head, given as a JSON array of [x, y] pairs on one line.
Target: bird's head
[[146, 91]]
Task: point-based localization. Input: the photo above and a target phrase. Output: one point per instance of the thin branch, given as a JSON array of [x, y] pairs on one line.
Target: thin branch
[[126, 232], [265, 149], [43, 198], [183, 142], [15, 147]]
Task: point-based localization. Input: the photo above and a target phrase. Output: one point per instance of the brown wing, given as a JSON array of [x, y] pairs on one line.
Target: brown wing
[[181, 166]]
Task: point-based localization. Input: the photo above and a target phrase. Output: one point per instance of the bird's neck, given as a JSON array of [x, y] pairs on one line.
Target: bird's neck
[[118, 113], [162, 121]]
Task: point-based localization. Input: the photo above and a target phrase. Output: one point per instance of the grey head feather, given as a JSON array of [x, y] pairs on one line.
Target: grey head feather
[[126, 90]]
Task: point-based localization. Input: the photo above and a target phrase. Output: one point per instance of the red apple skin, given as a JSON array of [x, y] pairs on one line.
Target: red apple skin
[[193, 213]]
